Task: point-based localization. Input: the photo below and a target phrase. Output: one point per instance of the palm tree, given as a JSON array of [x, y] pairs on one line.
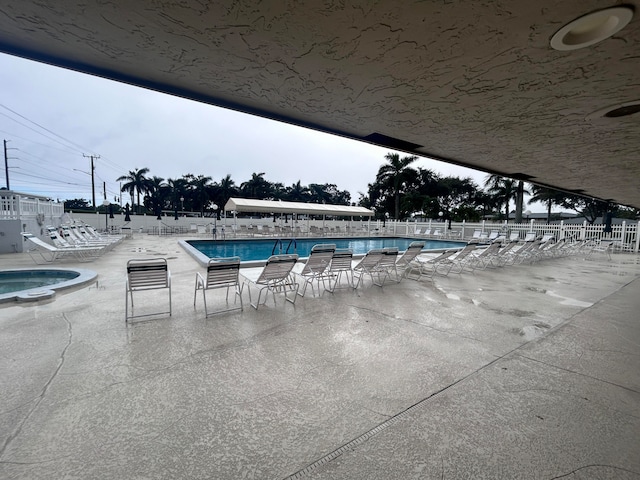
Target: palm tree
[[256, 187], [157, 192], [202, 191], [227, 189], [178, 189], [298, 193], [502, 189], [136, 183], [548, 196], [395, 174]]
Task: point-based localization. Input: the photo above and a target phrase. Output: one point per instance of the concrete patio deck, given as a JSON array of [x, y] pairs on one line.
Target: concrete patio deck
[[528, 371]]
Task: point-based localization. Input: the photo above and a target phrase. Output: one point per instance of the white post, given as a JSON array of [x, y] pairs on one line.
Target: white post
[[483, 223], [583, 232], [623, 234], [561, 233], [637, 238]]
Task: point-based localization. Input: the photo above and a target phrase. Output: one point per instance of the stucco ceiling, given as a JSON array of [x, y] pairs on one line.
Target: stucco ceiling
[[470, 82]]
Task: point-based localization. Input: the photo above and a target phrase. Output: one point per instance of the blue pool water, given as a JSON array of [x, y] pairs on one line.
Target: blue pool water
[[13, 281], [260, 250], [31, 282]]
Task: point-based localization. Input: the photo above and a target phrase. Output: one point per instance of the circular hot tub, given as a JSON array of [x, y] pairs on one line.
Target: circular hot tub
[[33, 284]]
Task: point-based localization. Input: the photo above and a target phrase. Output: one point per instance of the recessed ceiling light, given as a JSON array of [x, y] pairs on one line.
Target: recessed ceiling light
[[616, 111], [591, 28]]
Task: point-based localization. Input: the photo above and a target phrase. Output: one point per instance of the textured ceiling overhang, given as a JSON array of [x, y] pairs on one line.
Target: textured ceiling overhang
[[472, 83]]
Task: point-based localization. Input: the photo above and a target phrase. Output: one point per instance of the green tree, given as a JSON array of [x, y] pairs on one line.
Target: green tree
[[395, 175], [135, 183], [297, 193], [548, 196], [226, 189], [589, 208], [202, 193], [502, 189], [256, 187]]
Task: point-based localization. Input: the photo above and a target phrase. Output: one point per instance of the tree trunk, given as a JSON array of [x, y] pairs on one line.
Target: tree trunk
[[519, 201]]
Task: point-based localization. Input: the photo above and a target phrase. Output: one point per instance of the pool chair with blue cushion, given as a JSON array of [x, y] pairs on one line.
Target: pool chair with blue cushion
[[316, 267], [221, 273], [144, 275], [275, 277]]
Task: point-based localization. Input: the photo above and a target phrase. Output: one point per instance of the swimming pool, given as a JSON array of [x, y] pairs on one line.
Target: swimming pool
[[37, 283], [258, 250]]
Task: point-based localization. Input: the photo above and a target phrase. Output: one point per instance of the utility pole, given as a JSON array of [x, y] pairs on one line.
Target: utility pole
[[6, 164], [93, 182]]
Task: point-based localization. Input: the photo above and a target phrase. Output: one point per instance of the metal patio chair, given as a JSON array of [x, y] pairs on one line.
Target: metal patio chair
[[221, 273], [146, 274]]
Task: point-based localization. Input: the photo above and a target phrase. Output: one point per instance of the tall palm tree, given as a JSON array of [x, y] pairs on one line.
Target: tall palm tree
[[298, 193], [202, 191], [256, 187], [227, 189], [395, 174], [136, 183], [157, 192], [178, 189], [547, 196], [502, 189]]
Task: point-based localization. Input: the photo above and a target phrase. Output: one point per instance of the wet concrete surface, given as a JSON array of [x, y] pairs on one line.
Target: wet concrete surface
[[528, 371]]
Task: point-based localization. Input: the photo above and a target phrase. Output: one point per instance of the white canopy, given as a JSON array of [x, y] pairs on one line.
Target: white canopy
[[268, 206]]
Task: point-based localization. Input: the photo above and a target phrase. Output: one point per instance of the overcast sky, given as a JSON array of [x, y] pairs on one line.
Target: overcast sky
[[52, 116]]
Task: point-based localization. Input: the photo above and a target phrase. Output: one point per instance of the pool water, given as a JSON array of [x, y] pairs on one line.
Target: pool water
[[260, 250], [16, 280]]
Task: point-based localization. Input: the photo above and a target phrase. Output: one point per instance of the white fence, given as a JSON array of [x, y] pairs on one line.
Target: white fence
[[15, 207], [625, 235]]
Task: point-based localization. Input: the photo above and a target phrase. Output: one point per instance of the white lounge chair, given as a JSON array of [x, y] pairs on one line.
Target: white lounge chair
[[413, 250], [275, 277], [49, 254], [146, 274], [341, 263], [221, 273], [367, 265], [314, 270]]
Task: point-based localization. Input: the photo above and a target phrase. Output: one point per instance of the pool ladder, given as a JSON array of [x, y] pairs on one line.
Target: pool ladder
[[279, 246]]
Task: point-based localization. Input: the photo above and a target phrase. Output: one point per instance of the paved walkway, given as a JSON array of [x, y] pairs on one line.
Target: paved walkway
[[521, 372]]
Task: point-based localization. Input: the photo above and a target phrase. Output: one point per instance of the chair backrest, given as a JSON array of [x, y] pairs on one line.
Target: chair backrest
[[278, 267], [514, 236], [223, 272], [470, 247], [341, 260], [147, 273], [494, 234], [477, 233], [412, 251], [37, 242], [319, 258], [389, 257], [490, 250], [370, 260], [530, 237], [443, 256]]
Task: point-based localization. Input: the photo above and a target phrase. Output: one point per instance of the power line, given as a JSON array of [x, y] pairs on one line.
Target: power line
[[79, 147]]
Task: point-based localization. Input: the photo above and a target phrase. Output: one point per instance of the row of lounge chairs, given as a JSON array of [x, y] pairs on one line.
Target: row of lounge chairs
[[329, 268], [499, 253], [77, 242], [326, 265]]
